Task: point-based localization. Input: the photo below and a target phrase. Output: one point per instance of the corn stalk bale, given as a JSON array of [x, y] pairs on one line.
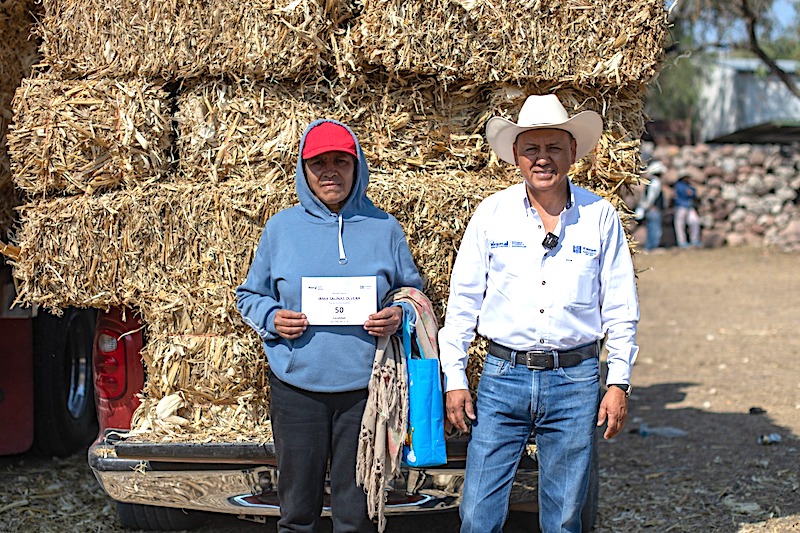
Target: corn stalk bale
[[172, 39], [414, 123], [203, 387], [218, 370], [252, 130], [73, 252], [614, 42], [81, 136], [275, 39], [165, 249], [424, 127], [176, 252], [8, 201], [214, 388], [18, 51], [110, 38]]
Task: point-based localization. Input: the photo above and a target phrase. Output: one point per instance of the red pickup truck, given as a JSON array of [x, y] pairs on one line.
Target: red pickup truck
[[46, 391], [167, 486]]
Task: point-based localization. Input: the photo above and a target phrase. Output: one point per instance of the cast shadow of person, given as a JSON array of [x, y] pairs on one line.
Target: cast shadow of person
[[680, 467], [677, 468]]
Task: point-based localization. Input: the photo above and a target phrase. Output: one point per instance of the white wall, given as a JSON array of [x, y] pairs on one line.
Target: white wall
[[738, 94]]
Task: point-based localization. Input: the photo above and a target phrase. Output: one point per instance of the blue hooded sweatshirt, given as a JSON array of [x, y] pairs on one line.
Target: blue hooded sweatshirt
[[310, 240]]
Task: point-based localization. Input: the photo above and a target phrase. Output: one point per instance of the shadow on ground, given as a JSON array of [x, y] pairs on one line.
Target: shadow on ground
[[716, 477]]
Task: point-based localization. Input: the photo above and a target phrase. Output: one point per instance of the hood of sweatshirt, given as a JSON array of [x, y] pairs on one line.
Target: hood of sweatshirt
[[357, 206]]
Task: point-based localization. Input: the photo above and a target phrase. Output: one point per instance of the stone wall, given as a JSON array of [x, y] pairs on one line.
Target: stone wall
[[749, 195]]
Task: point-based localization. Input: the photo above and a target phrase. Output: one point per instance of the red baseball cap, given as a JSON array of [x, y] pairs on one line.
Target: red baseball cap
[[328, 137]]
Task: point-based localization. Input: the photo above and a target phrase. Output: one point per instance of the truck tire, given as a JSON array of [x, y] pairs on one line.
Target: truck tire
[[65, 420], [152, 518]]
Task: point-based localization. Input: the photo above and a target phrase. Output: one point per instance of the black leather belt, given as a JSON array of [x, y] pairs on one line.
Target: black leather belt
[[546, 359]]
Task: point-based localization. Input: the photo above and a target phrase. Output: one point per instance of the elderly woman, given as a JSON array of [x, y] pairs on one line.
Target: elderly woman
[[319, 372]]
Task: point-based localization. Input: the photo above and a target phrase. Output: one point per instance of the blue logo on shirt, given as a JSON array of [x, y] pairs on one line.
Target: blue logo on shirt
[[493, 244], [518, 244], [584, 250]]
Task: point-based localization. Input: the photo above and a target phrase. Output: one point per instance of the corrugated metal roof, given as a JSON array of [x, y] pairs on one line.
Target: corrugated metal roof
[[752, 64], [768, 133]]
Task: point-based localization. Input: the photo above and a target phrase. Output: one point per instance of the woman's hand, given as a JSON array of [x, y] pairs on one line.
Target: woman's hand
[[290, 324], [385, 322]]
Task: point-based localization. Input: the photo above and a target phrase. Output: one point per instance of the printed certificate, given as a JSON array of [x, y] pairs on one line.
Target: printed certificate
[[339, 301]]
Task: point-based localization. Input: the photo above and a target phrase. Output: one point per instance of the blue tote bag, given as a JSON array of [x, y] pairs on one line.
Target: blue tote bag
[[425, 444]]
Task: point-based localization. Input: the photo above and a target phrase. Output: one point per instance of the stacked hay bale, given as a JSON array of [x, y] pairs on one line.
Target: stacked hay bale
[[122, 211], [17, 54], [77, 136]]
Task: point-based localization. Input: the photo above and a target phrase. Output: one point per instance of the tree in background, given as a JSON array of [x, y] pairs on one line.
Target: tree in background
[[702, 29]]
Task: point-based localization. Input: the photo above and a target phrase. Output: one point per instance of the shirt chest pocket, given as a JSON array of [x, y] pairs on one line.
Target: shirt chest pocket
[[581, 276]]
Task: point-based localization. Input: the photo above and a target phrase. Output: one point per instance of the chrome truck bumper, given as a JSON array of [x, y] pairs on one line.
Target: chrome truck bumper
[[240, 485]]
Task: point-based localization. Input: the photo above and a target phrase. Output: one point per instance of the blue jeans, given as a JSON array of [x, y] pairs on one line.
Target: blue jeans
[[653, 240], [561, 407]]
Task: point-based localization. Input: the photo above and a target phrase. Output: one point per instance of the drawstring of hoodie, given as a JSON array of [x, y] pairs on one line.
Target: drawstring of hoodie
[[342, 256]]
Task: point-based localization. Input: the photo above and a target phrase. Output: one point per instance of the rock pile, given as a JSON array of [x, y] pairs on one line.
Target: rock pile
[[749, 195]]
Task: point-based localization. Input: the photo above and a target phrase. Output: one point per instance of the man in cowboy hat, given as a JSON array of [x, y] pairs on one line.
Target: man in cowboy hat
[[545, 272]]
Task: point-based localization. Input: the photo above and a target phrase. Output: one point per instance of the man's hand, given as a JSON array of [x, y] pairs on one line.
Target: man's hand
[[385, 322], [459, 403], [290, 324], [614, 407]]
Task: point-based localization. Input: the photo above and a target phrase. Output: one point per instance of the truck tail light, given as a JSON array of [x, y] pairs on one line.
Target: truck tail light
[[109, 366]]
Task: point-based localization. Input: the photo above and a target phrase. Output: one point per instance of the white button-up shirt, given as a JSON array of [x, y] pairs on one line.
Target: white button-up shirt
[[525, 297]]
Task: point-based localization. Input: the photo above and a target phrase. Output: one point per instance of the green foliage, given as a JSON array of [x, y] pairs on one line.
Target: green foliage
[[675, 93], [702, 28], [784, 47], [720, 24]]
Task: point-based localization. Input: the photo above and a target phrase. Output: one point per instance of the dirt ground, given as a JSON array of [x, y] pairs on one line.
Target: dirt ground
[[719, 341], [719, 360]]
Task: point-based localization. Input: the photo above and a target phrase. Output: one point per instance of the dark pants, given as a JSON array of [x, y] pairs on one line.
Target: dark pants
[[310, 427]]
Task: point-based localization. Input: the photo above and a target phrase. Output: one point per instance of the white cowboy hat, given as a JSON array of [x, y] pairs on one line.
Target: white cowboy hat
[[656, 167], [544, 112]]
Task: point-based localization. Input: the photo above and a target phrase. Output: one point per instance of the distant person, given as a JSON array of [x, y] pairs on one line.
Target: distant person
[[544, 272], [652, 205], [686, 213]]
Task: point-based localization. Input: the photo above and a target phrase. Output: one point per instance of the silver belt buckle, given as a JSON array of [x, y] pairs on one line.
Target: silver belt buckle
[[529, 358]]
